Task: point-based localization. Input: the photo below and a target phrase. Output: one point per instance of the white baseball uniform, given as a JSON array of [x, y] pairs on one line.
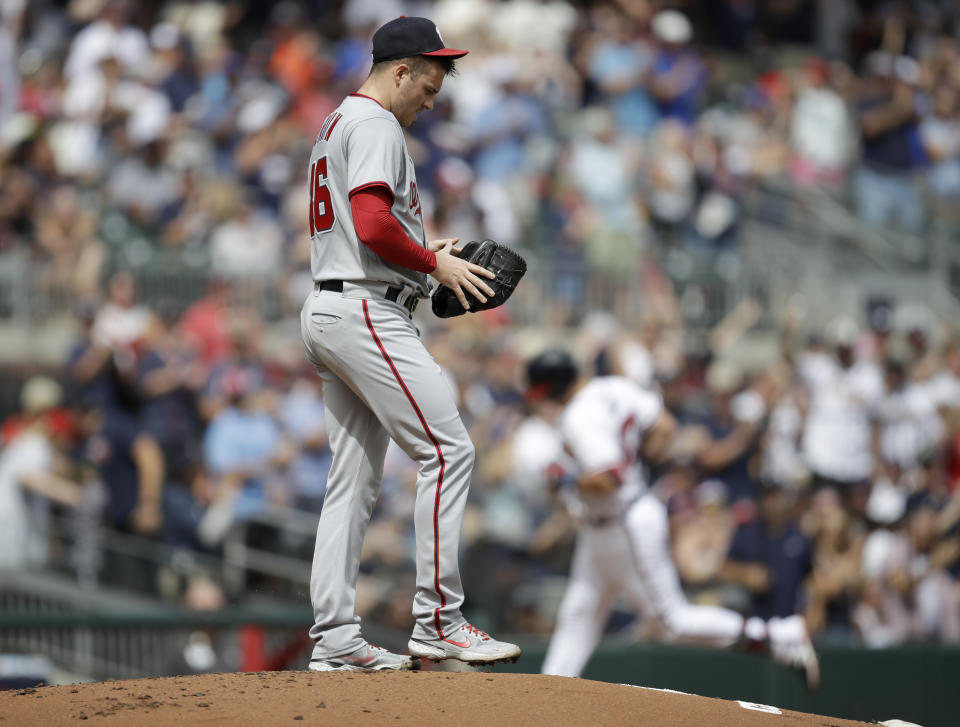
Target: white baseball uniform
[[623, 548], [379, 382]]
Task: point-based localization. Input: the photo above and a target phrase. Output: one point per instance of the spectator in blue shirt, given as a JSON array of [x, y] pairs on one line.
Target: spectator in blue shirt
[[736, 422], [885, 188], [243, 450], [771, 557], [130, 465], [168, 380], [618, 64], [678, 78], [302, 416]]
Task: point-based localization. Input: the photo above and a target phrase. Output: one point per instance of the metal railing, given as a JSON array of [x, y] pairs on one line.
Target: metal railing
[[83, 615], [790, 241], [106, 634], [811, 243], [86, 551]]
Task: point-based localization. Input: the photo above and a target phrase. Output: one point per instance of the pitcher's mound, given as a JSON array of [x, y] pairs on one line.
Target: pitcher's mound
[[414, 699]]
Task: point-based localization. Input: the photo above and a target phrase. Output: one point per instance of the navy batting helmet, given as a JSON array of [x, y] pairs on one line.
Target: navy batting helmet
[[550, 375]]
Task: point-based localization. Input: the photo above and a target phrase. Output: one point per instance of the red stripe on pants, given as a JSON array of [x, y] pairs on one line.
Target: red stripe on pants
[[436, 444]]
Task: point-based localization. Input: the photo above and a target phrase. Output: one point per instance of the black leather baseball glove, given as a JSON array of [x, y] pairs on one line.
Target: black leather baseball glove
[[499, 259]]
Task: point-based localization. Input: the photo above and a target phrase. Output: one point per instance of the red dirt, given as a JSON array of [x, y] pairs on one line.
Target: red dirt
[[400, 698]]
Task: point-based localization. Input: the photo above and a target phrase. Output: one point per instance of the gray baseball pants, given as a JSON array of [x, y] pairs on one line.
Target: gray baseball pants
[[380, 382]]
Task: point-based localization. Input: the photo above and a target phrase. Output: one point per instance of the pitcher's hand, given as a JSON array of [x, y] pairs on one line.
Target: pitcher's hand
[[460, 275], [447, 244]]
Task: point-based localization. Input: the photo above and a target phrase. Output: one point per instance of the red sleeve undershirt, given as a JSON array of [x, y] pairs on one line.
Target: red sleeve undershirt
[[379, 230]]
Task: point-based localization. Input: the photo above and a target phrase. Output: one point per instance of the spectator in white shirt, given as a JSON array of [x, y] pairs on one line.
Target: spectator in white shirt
[[837, 434], [111, 35], [821, 130], [121, 321], [882, 617], [909, 427], [29, 482], [940, 134], [246, 246]]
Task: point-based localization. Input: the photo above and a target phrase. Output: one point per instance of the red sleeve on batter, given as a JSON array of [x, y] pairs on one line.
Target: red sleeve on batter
[[379, 230]]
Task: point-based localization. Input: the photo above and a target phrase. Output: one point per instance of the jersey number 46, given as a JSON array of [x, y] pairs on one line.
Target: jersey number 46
[[321, 206]]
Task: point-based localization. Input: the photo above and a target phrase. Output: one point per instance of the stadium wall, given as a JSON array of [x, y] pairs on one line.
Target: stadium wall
[[915, 683]]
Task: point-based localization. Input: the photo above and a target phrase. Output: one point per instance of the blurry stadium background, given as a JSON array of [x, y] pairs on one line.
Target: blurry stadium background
[[752, 206]]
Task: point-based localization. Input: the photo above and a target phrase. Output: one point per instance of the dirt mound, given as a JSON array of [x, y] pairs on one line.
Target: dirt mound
[[460, 699]]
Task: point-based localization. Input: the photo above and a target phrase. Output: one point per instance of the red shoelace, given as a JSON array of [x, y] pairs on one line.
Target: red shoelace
[[476, 632]]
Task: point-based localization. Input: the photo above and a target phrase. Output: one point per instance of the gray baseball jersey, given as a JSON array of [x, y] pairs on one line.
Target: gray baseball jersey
[[360, 145]]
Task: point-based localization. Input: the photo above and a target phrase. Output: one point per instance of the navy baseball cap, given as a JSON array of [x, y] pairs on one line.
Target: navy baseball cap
[[404, 37]]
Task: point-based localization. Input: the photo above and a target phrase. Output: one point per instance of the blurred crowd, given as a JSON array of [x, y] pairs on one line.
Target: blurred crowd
[[823, 478], [169, 137], [594, 136]]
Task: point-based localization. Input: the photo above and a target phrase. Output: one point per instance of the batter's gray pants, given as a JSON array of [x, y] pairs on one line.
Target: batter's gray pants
[[380, 382]]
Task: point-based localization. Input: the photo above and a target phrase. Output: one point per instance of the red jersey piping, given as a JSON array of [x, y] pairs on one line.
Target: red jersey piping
[[363, 95]]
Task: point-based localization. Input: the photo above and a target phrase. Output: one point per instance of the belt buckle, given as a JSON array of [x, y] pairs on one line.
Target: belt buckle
[[405, 297]]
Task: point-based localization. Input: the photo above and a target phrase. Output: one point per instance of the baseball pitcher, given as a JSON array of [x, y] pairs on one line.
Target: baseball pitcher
[[371, 261]]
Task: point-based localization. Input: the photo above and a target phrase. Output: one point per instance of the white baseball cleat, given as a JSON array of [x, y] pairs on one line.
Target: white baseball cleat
[[467, 644], [790, 645], [366, 658]]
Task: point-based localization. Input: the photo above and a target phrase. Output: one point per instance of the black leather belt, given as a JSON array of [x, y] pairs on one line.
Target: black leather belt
[[392, 294]]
